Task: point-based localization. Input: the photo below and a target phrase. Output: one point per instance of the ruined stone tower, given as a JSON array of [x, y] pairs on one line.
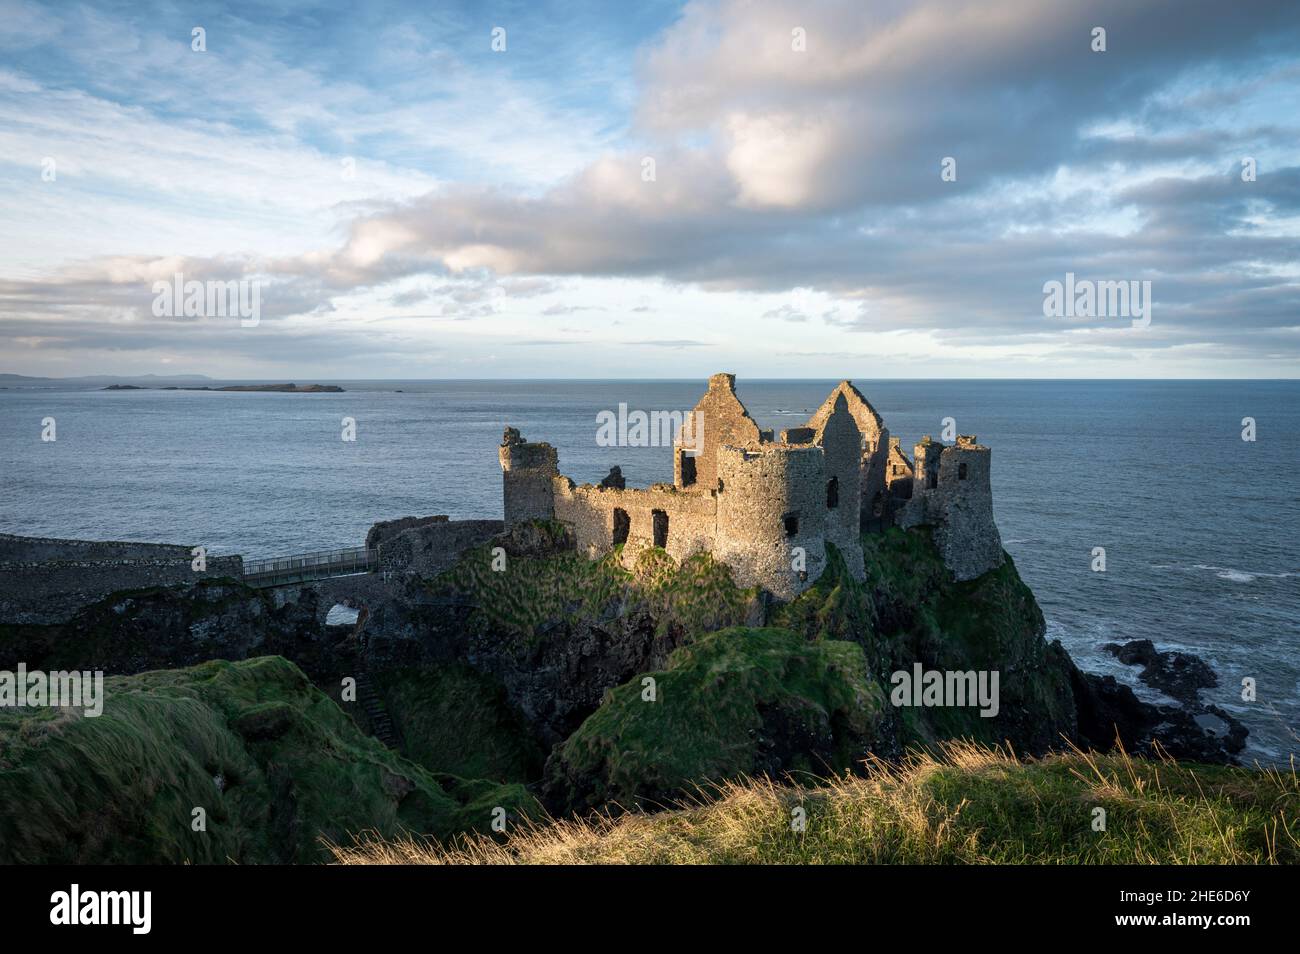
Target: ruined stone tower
[[528, 474], [952, 491], [768, 507]]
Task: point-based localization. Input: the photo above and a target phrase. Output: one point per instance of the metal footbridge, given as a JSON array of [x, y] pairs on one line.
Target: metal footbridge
[[304, 567]]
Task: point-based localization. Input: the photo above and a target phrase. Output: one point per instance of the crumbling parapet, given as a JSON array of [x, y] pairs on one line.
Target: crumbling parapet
[[528, 471], [719, 418], [952, 491]]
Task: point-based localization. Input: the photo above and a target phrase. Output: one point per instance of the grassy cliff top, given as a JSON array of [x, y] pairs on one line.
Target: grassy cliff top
[[969, 805], [271, 761]]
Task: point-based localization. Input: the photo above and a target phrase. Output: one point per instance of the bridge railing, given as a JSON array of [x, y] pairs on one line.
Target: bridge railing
[[320, 564]]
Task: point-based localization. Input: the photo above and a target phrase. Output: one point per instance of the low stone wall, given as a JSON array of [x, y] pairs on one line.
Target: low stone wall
[[432, 545], [386, 530], [16, 549], [53, 590]]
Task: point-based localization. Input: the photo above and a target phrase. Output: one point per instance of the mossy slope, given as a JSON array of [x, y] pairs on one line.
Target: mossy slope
[[455, 720], [537, 592], [292, 767], [910, 610], [735, 702]]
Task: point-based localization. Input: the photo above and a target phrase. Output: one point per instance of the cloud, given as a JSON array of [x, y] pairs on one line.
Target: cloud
[[775, 169]]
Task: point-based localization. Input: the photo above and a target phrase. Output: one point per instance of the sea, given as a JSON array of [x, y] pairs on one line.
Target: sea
[[1198, 523]]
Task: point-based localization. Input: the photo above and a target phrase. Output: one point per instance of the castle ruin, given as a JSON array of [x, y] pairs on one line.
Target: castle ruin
[[767, 506]]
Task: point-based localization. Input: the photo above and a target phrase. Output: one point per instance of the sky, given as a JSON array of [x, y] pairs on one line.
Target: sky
[[812, 189]]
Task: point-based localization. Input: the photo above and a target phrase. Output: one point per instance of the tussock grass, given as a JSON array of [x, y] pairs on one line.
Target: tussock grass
[[965, 804], [697, 595], [121, 788]]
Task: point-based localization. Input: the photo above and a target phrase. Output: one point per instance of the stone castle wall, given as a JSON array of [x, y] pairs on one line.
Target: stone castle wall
[[763, 506], [953, 492], [688, 520], [770, 503], [46, 581], [528, 472], [429, 545], [842, 444], [16, 549], [725, 422]]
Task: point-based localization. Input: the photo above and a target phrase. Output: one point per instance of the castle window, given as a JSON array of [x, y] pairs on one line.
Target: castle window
[[961, 471], [832, 493], [932, 479], [659, 519], [622, 524], [791, 521], [688, 469]]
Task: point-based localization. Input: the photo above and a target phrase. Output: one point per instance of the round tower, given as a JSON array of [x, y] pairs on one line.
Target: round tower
[[772, 516]]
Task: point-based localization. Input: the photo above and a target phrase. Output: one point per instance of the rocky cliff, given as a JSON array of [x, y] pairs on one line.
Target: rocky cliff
[[592, 683]]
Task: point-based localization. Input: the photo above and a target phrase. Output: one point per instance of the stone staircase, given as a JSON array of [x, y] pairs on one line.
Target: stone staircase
[[381, 725]]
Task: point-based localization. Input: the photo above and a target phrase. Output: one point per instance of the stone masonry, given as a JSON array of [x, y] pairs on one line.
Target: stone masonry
[[768, 506], [47, 581]]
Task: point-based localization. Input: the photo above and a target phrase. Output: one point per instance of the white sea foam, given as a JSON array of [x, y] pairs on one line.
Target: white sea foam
[[1240, 576]]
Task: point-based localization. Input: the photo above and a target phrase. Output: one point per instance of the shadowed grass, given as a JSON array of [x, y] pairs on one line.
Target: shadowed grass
[[272, 762], [736, 702], [969, 804]]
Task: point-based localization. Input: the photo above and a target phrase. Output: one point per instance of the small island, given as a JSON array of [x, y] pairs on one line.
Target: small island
[[277, 388]]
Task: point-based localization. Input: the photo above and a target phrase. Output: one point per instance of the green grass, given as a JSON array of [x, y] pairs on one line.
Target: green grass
[[121, 788], [535, 592], [909, 609], [969, 805], [718, 704], [452, 719]]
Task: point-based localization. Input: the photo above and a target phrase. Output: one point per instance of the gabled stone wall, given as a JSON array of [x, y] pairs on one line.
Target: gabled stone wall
[[875, 449], [724, 421], [842, 448]]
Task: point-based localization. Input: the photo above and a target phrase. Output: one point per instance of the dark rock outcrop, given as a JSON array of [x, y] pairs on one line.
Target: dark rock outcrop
[[1177, 674], [174, 627], [1109, 711]]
